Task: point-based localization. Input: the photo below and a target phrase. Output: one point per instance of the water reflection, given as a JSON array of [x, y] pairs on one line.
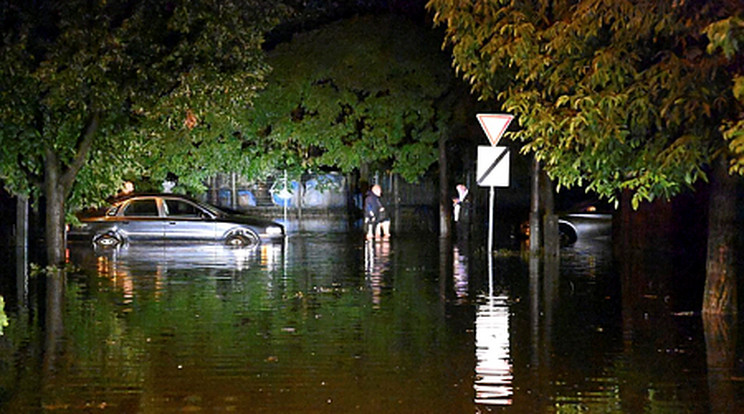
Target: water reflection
[[720, 341], [376, 262], [329, 323], [460, 278], [493, 383], [180, 256]]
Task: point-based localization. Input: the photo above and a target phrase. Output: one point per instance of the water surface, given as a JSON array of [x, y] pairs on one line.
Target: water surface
[[327, 323]]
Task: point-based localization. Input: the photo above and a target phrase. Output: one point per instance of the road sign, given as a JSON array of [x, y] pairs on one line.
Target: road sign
[[494, 125], [493, 166], [493, 162]]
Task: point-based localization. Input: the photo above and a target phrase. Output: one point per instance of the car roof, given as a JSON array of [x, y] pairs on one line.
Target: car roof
[[160, 195]]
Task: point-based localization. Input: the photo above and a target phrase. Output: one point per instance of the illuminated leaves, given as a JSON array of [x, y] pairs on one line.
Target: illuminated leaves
[[726, 37], [612, 95]]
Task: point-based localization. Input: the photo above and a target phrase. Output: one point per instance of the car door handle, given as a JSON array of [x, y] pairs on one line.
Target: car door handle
[[172, 223]]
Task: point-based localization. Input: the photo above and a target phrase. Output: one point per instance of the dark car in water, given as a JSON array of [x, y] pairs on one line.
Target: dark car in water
[[171, 218], [588, 221], [585, 224]]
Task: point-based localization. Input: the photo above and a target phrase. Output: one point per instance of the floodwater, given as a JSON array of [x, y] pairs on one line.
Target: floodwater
[[327, 323]]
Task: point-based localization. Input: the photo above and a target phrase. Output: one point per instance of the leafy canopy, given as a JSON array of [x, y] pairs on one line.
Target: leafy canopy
[[124, 88], [726, 37], [611, 95], [361, 91]]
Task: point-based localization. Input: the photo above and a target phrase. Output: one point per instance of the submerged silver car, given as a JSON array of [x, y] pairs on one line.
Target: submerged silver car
[[171, 217], [584, 226], [582, 223]]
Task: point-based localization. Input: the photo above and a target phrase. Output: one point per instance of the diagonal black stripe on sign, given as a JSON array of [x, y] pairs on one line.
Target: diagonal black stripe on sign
[[495, 163]]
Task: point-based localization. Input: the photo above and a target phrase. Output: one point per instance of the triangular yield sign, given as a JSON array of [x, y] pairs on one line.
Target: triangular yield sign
[[494, 125]]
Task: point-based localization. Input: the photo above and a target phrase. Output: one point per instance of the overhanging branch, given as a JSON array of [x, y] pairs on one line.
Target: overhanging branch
[[85, 142]]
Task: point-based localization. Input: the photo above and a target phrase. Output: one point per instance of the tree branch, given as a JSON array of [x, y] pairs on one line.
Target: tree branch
[[85, 142]]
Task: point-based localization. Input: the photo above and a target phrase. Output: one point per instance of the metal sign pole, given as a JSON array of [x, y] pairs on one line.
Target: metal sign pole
[[490, 220], [490, 243]]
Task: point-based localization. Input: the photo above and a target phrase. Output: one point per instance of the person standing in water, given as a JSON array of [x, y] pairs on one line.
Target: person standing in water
[[376, 218]]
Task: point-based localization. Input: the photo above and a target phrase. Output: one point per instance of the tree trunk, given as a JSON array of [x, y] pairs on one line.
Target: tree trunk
[[54, 226], [445, 203], [58, 181], [720, 296], [21, 248], [21, 227], [551, 237], [535, 227]]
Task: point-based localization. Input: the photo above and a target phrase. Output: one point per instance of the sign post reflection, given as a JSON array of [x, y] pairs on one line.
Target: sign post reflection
[[493, 382]]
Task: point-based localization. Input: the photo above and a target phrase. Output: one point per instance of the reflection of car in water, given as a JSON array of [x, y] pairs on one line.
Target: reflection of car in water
[[171, 217], [149, 268], [179, 256]]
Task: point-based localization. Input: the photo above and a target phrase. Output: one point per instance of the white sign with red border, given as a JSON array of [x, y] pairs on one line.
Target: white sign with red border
[[494, 125]]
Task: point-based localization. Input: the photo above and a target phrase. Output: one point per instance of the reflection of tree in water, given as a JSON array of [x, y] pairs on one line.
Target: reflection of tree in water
[[376, 262], [206, 340]]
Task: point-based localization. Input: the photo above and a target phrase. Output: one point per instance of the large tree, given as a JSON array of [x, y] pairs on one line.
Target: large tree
[[90, 91], [370, 90], [726, 37], [617, 96]]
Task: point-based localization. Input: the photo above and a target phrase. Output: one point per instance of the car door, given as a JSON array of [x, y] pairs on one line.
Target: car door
[[140, 220], [187, 221]]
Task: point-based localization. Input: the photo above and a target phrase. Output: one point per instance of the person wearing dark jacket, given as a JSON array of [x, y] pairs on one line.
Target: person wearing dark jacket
[[376, 218]]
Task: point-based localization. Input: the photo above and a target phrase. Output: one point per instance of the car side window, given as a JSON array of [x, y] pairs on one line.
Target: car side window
[[140, 208], [178, 208]]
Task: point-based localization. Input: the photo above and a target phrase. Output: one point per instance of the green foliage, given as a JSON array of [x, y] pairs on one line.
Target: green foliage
[[124, 75], [726, 36], [362, 91], [226, 72], [609, 95]]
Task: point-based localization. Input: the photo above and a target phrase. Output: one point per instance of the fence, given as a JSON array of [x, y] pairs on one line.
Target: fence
[[326, 195]]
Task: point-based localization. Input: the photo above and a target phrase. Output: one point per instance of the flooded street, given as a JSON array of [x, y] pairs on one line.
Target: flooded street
[[327, 323]]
